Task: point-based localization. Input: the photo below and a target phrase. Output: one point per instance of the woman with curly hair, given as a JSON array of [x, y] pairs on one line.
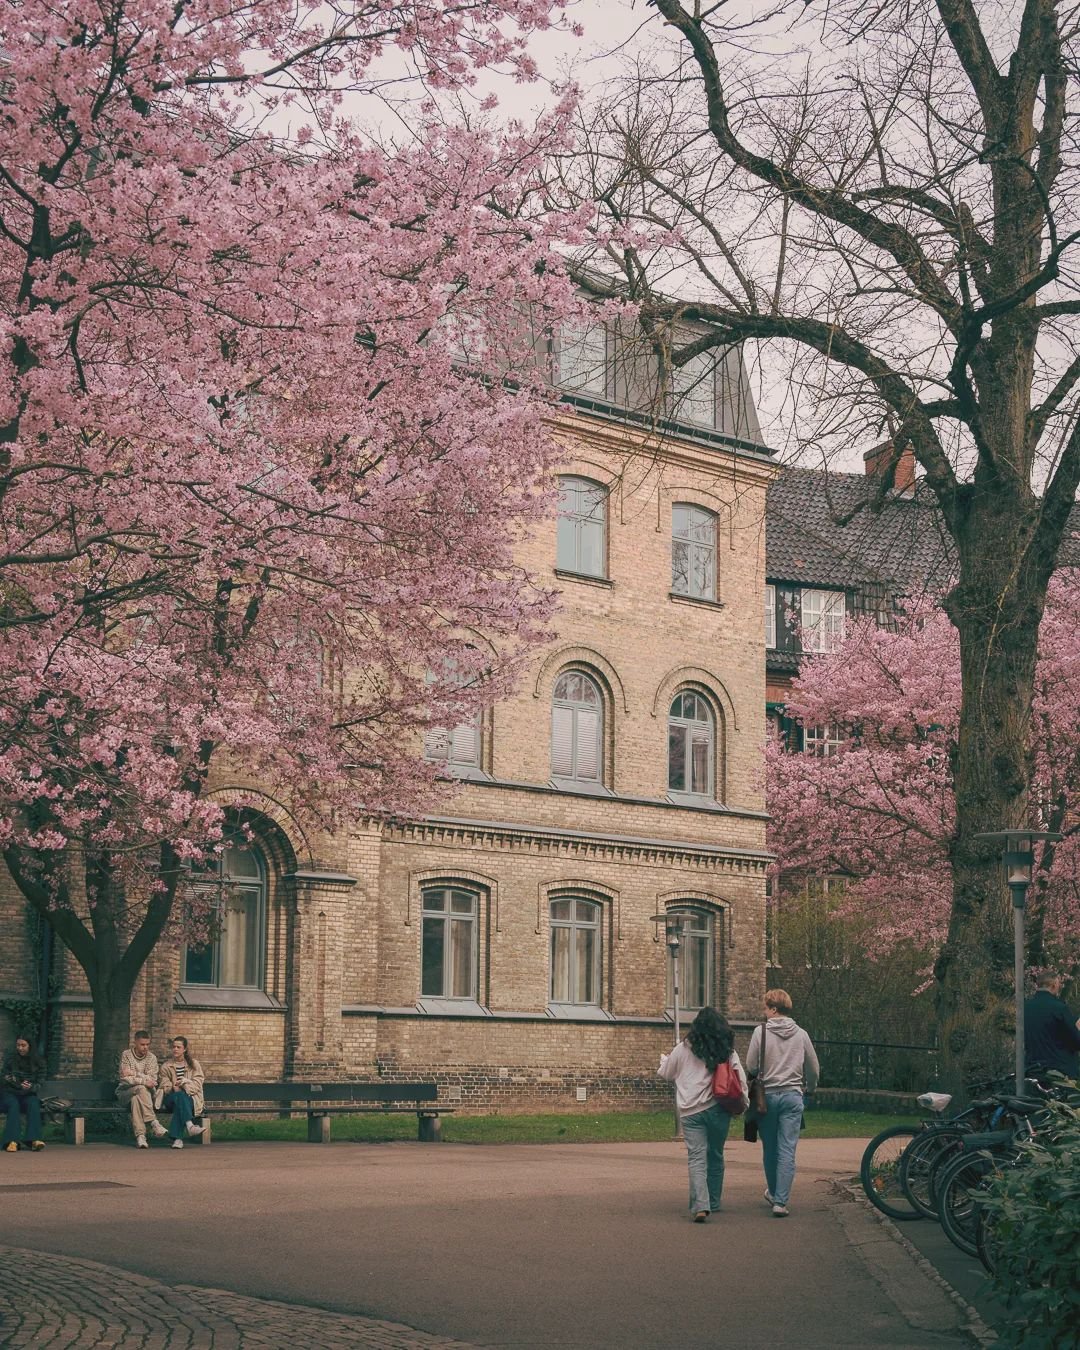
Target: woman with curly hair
[[690, 1066]]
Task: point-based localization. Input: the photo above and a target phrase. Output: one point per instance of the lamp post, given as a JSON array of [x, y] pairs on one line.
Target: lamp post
[[673, 926], [1018, 857]]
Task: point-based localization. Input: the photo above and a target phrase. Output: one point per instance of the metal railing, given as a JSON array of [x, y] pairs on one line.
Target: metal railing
[[880, 1065]]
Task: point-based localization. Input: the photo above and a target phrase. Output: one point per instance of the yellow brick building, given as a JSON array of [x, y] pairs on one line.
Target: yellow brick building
[[506, 945]]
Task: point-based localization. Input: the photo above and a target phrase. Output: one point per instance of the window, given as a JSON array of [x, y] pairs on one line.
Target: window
[[449, 955], [233, 958], [770, 617], [824, 740], [693, 551], [581, 358], [695, 961], [822, 615], [577, 725], [690, 745], [580, 545], [693, 390], [458, 747], [575, 951]]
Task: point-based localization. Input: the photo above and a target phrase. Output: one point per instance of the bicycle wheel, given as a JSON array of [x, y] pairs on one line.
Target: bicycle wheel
[[987, 1241], [880, 1171], [933, 1146], [959, 1185]]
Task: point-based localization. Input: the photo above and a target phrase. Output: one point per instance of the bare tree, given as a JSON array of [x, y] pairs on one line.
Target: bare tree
[[887, 193]]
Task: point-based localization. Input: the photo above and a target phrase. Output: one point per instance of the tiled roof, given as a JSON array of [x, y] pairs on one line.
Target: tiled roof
[[821, 531]]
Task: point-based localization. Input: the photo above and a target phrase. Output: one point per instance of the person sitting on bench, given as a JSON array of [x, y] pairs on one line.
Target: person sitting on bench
[[138, 1078], [181, 1086], [21, 1076]]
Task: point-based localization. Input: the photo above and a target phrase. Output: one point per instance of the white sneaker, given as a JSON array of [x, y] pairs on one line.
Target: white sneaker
[[768, 1198], [178, 1143], [158, 1131], [194, 1129], [779, 1211], [140, 1141]]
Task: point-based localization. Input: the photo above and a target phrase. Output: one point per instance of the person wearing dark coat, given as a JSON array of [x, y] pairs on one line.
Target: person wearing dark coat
[[1051, 1032], [21, 1076]]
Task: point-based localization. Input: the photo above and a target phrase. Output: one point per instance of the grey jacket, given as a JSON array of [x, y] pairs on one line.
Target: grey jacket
[[791, 1064]]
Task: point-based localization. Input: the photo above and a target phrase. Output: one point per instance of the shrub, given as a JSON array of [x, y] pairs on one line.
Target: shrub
[[1035, 1211]]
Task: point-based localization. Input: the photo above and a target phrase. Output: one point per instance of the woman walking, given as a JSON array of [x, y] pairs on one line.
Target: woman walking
[[690, 1066], [181, 1082], [790, 1070]]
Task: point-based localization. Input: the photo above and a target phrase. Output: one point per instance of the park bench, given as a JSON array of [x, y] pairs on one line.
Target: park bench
[[84, 1097]]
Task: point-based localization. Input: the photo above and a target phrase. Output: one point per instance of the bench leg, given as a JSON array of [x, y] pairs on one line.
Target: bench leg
[[318, 1128], [74, 1129], [430, 1129]]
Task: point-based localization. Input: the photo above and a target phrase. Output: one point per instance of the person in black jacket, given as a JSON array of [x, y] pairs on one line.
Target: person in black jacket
[[1051, 1032], [21, 1076]]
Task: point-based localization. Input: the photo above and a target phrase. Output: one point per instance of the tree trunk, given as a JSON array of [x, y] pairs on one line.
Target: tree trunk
[[997, 607], [112, 1025]]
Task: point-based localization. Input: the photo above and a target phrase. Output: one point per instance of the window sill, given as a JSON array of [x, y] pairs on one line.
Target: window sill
[[578, 1012], [699, 803], [584, 578], [451, 1007], [456, 773], [573, 785], [210, 996], [681, 599]]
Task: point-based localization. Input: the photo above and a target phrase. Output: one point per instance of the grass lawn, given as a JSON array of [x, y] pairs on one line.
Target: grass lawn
[[623, 1127], [613, 1128]]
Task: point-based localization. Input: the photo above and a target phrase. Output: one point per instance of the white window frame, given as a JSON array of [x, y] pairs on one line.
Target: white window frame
[[573, 523], [448, 917], [691, 729], [217, 882], [770, 618], [583, 358], [824, 740], [578, 712], [823, 616], [693, 391], [692, 940], [460, 747], [575, 925], [697, 549]]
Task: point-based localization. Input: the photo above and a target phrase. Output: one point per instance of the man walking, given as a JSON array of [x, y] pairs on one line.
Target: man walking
[[789, 1068], [135, 1090], [1051, 1033]]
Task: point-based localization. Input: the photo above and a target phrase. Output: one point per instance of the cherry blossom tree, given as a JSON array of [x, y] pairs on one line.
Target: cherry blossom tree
[[881, 810], [270, 429]]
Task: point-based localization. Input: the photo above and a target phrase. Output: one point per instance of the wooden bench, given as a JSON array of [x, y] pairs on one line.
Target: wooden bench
[[318, 1101]]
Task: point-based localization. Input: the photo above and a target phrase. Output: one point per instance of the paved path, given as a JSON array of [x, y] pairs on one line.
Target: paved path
[[405, 1245]]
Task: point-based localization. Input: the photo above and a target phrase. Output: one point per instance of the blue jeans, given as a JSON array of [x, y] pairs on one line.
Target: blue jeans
[[705, 1133], [779, 1130], [183, 1112], [16, 1104]]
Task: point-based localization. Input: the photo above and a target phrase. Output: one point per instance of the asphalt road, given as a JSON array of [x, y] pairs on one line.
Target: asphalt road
[[517, 1246]]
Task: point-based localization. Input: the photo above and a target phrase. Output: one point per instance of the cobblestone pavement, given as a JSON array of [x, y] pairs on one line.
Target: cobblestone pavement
[[64, 1303]]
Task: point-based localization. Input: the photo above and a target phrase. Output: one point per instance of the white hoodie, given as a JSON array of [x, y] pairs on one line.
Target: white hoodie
[[693, 1080], [791, 1064]]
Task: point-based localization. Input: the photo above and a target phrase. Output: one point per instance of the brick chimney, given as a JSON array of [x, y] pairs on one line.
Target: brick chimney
[[903, 475]]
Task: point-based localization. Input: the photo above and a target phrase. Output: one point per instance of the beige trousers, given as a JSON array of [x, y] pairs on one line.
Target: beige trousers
[[141, 1102]]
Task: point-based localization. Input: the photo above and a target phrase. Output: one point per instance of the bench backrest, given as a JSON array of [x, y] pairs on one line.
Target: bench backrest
[[90, 1092]]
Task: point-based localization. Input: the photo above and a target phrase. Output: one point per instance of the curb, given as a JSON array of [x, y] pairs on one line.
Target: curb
[[974, 1325]]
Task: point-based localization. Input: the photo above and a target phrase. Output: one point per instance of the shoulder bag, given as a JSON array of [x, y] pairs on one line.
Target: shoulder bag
[[758, 1105]]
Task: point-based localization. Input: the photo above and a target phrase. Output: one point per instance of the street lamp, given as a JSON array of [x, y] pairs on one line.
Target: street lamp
[[1018, 857], [673, 927]]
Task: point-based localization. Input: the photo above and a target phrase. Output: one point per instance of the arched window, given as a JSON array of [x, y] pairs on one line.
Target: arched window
[[580, 540], [576, 956], [695, 960], [577, 728], [693, 551], [691, 745], [449, 955], [235, 886]]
